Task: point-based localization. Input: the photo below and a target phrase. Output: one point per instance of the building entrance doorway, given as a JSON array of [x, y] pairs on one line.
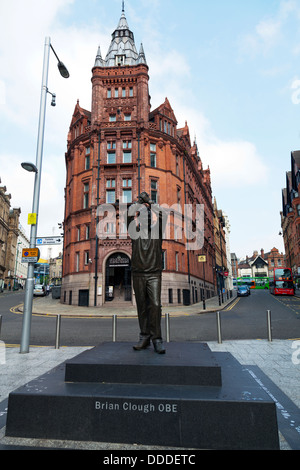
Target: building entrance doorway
[[118, 278]]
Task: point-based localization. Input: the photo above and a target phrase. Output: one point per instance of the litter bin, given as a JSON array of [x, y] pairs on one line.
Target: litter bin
[[56, 290]]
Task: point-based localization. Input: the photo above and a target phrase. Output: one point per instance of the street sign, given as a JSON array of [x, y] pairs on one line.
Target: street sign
[[30, 255], [49, 240], [201, 258], [31, 219]]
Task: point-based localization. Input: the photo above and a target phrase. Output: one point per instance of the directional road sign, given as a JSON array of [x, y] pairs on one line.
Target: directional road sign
[[49, 241]]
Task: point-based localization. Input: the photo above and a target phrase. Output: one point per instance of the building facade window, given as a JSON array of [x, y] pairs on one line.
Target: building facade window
[[120, 59], [164, 260], [127, 144], [87, 158], [77, 262], [127, 182], [110, 196], [86, 189], [110, 191], [111, 152], [176, 261], [127, 196], [178, 195], [153, 186], [111, 157], [153, 155], [110, 228], [86, 257], [127, 117], [108, 93], [112, 118], [177, 165], [127, 158], [111, 183], [127, 190]]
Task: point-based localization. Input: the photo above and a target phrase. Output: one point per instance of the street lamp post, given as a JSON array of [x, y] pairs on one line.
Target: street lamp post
[[27, 313]]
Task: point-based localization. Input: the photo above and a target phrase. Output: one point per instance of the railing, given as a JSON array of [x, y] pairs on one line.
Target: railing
[[167, 328]]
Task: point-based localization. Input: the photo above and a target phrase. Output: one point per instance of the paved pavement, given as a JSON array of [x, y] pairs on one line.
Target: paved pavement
[[49, 306], [274, 365]]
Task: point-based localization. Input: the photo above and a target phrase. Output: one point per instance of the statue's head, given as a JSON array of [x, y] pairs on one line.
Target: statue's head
[[144, 198]]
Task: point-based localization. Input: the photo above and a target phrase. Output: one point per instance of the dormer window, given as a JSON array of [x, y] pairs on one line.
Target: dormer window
[[120, 60]]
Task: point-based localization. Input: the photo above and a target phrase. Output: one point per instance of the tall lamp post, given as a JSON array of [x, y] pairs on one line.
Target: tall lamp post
[[27, 313]]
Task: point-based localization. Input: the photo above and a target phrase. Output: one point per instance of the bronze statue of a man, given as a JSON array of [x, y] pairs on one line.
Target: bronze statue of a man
[[146, 267]]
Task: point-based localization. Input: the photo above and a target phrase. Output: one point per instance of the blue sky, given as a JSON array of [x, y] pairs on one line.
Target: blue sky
[[230, 69]]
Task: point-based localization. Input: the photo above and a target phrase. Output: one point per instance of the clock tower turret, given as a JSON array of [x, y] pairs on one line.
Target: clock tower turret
[[120, 82]]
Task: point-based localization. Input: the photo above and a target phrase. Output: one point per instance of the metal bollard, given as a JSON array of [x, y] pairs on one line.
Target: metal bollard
[[57, 335], [114, 328], [269, 325], [167, 327], [219, 328]]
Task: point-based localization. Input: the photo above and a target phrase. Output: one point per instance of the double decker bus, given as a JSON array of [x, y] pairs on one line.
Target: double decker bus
[[252, 282], [261, 282], [282, 283], [246, 281]]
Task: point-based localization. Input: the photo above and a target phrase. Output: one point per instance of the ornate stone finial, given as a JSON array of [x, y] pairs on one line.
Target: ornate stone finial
[[98, 60], [141, 57]]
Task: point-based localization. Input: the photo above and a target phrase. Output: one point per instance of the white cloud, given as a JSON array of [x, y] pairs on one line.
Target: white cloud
[[234, 164], [295, 86], [269, 32], [237, 162]]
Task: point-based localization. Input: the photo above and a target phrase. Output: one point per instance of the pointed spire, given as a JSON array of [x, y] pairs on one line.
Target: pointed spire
[[142, 57], [122, 50], [99, 60], [123, 22]]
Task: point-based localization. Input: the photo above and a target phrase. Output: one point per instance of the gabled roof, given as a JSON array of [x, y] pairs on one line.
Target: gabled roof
[[244, 265], [184, 132], [79, 112], [166, 110], [253, 261]]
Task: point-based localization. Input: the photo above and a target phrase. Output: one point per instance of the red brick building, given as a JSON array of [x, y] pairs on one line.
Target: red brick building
[[290, 215], [115, 151]]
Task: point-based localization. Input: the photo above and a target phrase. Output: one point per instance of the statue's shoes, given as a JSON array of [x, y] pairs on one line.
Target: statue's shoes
[[142, 344], [158, 346]]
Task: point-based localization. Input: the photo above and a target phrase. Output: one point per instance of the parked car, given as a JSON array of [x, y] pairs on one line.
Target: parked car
[[39, 290], [243, 291]]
